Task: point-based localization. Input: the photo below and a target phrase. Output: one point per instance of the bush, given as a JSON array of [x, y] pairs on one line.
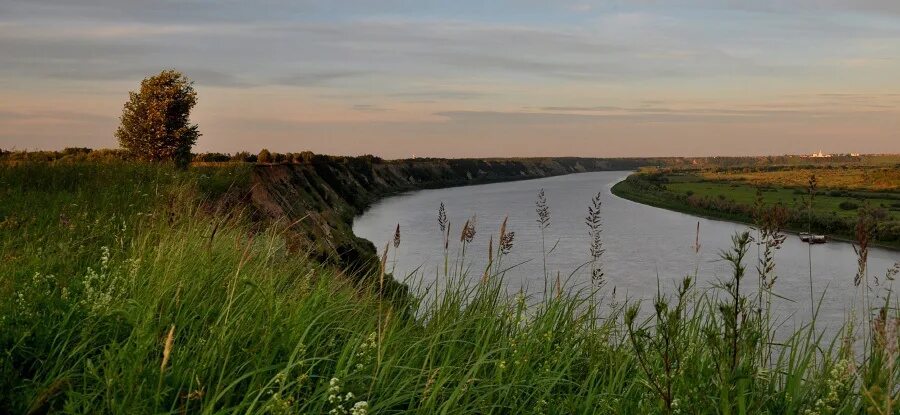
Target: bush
[[264, 156], [212, 157], [847, 205]]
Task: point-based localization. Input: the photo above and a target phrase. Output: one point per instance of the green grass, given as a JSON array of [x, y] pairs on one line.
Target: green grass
[[823, 203], [835, 211], [102, 262]]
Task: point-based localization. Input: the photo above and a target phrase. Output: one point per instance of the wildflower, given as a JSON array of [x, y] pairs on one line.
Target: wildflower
[[365, 353], [334, 390], [338, 401], [302, 379], [279, 405], [360, 408], [280, 378], [836, 382]]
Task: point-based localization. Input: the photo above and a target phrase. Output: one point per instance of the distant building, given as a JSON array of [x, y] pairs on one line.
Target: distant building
[[820, 154], [854, 154]]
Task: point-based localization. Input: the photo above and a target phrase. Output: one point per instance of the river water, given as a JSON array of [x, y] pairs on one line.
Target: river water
[[643, 244]]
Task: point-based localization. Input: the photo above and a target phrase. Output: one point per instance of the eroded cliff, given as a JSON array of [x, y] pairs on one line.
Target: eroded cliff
[[319, 199]]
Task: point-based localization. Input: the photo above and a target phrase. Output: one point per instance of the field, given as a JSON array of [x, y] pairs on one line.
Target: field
[[865, 178], [139, 288], [825, 202], [839, 196]]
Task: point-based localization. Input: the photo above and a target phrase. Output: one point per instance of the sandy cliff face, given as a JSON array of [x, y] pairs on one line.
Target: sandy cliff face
[[318, 200]]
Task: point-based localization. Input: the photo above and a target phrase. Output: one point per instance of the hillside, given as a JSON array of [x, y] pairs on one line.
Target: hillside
[[321, 198]]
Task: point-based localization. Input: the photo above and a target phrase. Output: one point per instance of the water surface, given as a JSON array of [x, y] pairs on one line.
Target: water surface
[[642, 243]]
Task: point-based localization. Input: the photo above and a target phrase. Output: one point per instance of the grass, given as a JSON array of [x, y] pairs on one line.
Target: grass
[[131, 288], [867, 178], [734, 196], [824, 203]]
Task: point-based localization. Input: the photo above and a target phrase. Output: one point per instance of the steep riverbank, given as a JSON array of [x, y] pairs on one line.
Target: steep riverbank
[[320, 199]]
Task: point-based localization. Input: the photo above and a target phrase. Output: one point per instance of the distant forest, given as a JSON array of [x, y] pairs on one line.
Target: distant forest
[[82, 154]]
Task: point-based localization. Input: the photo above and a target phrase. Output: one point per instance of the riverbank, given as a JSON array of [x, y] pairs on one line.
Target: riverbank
[[834, 210], [324, 195]]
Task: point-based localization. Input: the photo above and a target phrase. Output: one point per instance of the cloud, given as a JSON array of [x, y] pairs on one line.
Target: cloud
[[440, 95], [317, 78], [582, 109], [369, 108], [569, 115], [581, 7], [50, 116], [860, 6]]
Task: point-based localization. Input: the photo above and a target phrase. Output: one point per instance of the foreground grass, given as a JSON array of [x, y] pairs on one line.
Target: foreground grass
[[132, 289]]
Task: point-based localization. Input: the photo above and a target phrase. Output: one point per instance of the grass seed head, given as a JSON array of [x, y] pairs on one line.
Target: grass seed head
[[167, 348]]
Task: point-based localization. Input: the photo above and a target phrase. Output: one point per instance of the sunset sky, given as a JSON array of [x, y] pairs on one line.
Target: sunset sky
[[461, 78]]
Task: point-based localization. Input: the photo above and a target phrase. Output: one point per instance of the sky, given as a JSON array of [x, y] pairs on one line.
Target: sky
[[465, 78]]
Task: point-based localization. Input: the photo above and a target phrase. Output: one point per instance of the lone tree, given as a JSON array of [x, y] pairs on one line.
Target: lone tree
[[156, 122]]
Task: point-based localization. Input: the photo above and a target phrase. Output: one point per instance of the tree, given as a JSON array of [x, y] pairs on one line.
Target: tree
[[155, 123], [264, 156]]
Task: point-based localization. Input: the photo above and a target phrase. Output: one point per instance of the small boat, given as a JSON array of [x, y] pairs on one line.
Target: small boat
[[812, 238]]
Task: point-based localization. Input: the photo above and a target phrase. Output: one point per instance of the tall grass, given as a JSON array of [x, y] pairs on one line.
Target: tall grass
[[128, 289]]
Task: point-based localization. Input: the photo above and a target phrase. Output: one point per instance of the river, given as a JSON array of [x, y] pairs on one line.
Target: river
[[642, 244]]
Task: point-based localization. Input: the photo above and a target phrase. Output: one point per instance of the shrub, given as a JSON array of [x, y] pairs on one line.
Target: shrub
[[264, 156]]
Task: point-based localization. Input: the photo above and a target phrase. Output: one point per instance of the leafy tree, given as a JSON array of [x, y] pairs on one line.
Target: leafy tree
[[243, 156], [307, 156], [155, 123], [264, 156]]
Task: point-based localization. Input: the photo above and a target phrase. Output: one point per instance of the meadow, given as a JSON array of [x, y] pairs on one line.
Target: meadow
[[140, 288], [840, 195], [885, 179]]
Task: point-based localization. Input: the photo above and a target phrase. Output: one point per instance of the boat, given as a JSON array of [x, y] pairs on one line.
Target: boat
[[813, 238]]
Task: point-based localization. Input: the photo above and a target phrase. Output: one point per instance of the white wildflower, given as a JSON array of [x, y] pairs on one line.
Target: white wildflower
[[366, 351], [360, 408]]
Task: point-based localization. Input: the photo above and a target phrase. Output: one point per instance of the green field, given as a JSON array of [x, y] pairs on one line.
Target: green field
[[736, 196], [824, 202], [138, 288]]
